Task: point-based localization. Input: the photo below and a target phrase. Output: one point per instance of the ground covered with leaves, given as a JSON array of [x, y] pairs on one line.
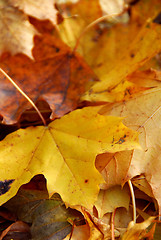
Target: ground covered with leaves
[[80, 112]]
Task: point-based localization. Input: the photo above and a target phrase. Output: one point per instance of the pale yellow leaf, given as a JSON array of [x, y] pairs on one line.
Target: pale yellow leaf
[[41, 9], [143, 114], [16, 33]]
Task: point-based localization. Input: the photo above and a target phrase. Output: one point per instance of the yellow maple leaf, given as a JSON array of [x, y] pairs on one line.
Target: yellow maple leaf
[[16, 33], [140, 51], [64, 152]]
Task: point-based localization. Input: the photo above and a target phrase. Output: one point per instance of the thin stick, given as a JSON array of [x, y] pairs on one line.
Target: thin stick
[[133, 200], [24, 94], [112, 225], [144, 209]]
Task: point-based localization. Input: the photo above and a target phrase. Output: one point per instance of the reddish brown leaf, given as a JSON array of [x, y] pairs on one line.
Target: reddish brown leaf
[[17, 227], [57, 76]]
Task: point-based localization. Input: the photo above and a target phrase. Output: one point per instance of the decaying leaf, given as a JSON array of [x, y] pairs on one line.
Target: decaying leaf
[[18, 229], [48, 218], [40, 9], [57, 76], [66, 149], [16, 33], [88, 154]]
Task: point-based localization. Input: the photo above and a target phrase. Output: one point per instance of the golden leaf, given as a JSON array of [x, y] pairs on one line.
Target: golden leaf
[[64, 152]]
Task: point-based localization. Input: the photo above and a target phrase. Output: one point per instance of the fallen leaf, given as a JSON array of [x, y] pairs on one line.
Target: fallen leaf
[[140, 51], [81, 14], [104, 45], [16, 33], [41, 9], [143, 114], [137, 230], [112, 198], [57, 76], [66, 145], [113, 167], [48, 218], [17, 229]]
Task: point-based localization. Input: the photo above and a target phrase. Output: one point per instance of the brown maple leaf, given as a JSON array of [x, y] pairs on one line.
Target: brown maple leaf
[[57, 76]]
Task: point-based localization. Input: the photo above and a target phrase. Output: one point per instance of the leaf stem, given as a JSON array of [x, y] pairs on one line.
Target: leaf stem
[[112, 225], [133, 200], [23, 94]]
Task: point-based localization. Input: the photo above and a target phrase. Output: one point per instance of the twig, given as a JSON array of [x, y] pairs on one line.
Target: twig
[[112, 225], [133, 200], [24, 94]]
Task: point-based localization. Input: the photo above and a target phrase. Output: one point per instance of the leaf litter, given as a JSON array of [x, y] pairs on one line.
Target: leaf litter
[[66, 150]]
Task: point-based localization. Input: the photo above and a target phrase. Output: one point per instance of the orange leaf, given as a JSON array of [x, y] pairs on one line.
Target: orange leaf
[[57, 76]]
